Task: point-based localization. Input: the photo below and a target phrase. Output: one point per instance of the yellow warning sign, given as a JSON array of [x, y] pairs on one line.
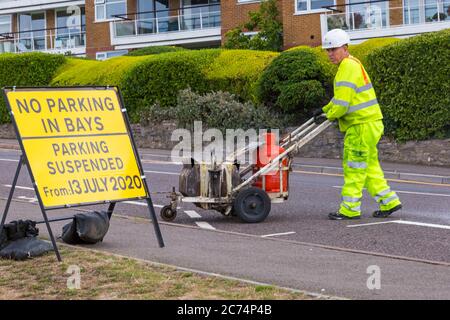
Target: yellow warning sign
[[77, 144]]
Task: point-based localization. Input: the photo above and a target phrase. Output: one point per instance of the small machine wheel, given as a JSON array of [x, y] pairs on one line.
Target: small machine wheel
[[252, 205], [167, 213]]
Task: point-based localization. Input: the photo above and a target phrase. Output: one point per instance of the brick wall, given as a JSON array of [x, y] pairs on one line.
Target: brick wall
[[395, 14], [235, 14], [97, 33]]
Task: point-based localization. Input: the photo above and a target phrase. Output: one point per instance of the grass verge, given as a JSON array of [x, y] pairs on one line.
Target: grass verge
[[104, 276]]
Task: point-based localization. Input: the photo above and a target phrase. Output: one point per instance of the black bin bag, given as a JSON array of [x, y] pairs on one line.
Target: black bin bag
[[19, 241], [86, 228]]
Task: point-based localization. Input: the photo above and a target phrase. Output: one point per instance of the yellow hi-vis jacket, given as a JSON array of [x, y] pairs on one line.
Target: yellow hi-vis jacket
[[354, 98]]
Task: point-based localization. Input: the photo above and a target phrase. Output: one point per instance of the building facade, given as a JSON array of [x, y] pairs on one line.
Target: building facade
[[106, 28]]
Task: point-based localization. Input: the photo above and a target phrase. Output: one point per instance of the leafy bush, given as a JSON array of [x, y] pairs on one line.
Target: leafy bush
[[411, 78], [146, 80], [362, 50], [27, 69], [158, 80], [220, 110], [237, 71], [154, 50], [91, 72], [295, 83]]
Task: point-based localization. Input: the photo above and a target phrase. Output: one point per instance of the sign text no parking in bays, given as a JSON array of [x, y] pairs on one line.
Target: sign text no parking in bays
[[78, 147]]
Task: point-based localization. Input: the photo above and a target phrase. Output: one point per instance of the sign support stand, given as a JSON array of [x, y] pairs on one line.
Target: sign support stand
[[103, 133], [8, 203]]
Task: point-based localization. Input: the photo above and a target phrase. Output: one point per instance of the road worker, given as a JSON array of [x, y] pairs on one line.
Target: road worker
[[356, 108]]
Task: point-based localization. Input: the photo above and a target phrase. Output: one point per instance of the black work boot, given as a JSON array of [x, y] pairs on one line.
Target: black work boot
[[340, 216], [386, 213]]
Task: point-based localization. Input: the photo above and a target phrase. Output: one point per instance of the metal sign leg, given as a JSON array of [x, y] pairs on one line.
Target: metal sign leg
[[155, 222], [52, 238]]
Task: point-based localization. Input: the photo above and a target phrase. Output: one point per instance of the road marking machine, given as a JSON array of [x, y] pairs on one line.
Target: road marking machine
[[247, 194]]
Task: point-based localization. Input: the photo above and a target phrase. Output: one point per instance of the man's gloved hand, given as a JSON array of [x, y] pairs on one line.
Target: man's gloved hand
[[319, 116]]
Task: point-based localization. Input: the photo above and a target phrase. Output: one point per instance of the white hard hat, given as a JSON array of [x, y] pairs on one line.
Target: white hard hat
[[335, 38]]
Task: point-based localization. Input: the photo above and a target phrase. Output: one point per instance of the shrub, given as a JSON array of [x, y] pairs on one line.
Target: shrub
[[294, 83], [411, 78], [154, 50], [237, 71], [27, 69], [91, 72], [220, 110], [158, 80], [362, 50]]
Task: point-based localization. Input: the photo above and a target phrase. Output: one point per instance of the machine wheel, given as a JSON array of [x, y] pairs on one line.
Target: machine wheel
[[252, 205], [167, 213]]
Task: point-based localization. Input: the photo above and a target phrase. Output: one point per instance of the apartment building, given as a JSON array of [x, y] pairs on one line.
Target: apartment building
[[105, 28]]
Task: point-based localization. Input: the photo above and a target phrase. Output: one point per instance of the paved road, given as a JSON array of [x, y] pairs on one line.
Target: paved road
[[296, 232]]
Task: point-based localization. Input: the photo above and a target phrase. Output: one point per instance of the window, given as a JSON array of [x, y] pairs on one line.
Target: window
[[110, 54], [5, 24], [32, 31], [303, 6], [70, 28], [107, 9]]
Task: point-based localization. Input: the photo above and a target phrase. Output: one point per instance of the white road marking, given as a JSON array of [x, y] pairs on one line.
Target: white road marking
[[414, 192], [369, 224], [192, 214], [277, 234], [431, 225], [19, 187], [162, 172], [205, 225], [28, 198], [10, 160], [413, 223], [144, 204]]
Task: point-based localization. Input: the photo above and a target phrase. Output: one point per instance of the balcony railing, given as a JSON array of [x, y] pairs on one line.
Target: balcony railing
[[378, 15], [142, 24], [60, 40]]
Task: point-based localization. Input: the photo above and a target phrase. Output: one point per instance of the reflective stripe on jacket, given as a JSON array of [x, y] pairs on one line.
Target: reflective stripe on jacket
[[354, 98]]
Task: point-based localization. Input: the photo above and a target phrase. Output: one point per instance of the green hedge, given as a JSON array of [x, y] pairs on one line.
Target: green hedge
[[295, 83], [146, 80], [159, 79], [412, 82], [78, 72], [154, 50], [237, 71], [27, 69], [362, 50]]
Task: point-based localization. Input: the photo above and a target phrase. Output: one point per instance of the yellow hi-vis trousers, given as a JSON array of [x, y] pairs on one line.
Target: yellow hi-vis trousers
[[362, 169]]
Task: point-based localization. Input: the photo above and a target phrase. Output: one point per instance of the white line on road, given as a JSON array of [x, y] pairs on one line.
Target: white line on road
[[11, 160], [414, 192], [19, 187], [431, 225], [192, 214], [277, 234], [162, 172], [28, 198], [205, 225], [144, 204], [414, 223], [369, 224]]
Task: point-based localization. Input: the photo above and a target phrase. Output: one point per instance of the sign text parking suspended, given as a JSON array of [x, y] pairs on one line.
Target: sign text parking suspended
[[77, 144]]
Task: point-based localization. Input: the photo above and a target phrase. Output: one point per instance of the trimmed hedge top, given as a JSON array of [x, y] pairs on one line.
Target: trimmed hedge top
[[237, 71], [27, 69], [154, 50]]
